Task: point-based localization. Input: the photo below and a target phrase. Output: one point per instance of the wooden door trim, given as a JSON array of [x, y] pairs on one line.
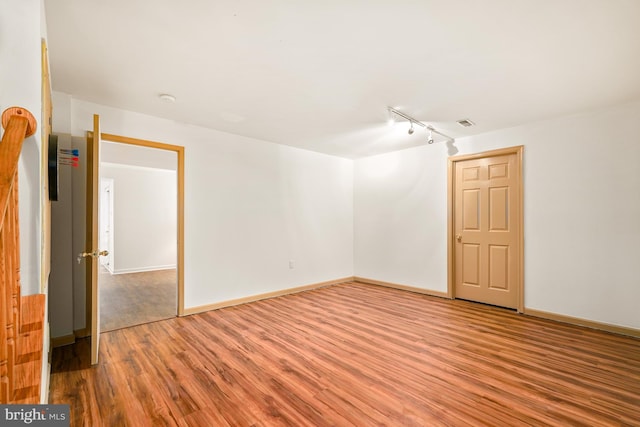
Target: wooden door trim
[[93, 160], [179, 150], [518, 151], [88, 304], [46, 123]]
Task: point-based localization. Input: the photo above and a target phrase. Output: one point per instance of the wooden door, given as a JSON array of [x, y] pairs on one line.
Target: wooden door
[[92, 252], [487, 228]]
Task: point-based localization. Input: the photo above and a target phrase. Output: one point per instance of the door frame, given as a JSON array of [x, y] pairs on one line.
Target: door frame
[[91, 246], [179, 150], [451, 260]]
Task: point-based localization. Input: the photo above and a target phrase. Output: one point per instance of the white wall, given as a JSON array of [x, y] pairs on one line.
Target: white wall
[[400, 208], [20, 80], [22, 27], [145, 217], [250, 206], [62, 254], [581, 210], [67, 282], [136, 155], [78, 192]]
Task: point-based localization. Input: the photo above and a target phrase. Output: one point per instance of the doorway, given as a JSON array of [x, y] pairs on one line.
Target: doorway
[[92, 252], [138, 227], [485, 236], [94, 141]]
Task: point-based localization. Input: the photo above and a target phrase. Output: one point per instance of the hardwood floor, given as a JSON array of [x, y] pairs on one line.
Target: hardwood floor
[[352, 355], [136, 298]]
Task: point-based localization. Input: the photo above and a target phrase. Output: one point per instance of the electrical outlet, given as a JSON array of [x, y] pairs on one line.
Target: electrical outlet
[[291, 264]]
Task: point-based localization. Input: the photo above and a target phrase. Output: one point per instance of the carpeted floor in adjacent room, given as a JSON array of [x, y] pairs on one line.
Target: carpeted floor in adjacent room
[[136, 298]]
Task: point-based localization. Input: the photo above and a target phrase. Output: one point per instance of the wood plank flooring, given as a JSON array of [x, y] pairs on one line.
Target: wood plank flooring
[[352, 355]]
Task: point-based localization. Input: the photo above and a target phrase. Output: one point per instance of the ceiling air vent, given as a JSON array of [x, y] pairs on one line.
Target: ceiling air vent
[[465, 123]]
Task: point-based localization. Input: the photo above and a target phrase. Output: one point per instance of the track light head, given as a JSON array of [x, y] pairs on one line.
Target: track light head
[[393, 113]]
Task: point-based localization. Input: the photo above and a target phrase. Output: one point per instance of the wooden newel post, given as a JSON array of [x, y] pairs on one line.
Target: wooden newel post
[[19, 112]]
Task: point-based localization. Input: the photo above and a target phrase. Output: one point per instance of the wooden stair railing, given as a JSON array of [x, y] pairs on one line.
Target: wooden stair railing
[[14, 341]]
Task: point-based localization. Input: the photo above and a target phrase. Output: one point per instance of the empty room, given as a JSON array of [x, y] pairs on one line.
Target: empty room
[[279, 213]]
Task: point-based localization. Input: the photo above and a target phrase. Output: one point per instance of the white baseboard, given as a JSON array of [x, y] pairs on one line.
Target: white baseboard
[[143, 269]]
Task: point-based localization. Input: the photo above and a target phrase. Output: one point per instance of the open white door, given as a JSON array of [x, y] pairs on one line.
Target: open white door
[[92, 252]]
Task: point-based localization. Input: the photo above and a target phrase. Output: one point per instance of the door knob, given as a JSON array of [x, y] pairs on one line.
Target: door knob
[[83, 255], [459, 237], [95, 254]]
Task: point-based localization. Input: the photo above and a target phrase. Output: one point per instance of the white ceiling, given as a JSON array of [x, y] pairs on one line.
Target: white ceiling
[[320, 74]]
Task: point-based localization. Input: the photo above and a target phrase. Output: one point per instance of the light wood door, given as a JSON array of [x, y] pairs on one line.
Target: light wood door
[[487, 229], [92, 252]]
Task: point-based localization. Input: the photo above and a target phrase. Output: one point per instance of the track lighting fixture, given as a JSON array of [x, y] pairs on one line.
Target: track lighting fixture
[[412, 121]]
